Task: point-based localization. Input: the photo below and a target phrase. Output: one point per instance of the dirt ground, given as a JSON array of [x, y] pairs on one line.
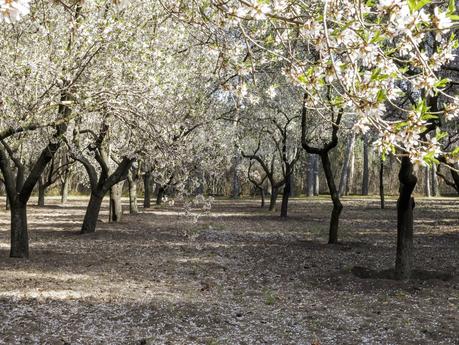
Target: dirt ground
[[238, 276]]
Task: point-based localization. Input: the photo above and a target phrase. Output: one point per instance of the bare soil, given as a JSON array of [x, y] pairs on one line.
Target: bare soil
[[239, 275]]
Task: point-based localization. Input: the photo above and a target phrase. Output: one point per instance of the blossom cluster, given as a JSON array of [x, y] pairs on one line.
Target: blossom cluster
[[13, 10], [357, 56]]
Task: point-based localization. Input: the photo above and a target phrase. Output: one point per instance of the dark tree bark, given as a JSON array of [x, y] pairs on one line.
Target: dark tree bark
[[285, 196], [92, 213], [19, 231], [147, 190], [366, 170], [323, 152], [160, 195], [19, 187], [288, 165], [262, 194], [337, 206], [405, 206]]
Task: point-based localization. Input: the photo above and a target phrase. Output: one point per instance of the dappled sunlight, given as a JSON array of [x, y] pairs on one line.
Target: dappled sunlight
[[155, 270]]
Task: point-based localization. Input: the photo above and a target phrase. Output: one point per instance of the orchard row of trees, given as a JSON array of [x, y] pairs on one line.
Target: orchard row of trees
[[180, 92]]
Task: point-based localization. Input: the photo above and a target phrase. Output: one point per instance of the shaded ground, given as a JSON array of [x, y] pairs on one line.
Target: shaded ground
[[237, 276]]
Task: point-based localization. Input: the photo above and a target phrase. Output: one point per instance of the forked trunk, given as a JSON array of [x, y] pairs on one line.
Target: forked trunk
[[19, 234], [334, 194], [92, 213], [405, 206]]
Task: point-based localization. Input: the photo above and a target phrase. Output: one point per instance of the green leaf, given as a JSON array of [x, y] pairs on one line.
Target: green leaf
[[451, 7], [441, 83], [416, 5]]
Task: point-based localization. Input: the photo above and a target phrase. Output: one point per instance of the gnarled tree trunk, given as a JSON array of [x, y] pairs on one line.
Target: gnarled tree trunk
[[334, 194], [405, 206], [92, 212]]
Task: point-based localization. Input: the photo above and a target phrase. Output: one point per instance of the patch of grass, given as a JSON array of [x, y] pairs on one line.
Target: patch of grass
[[270, 297]]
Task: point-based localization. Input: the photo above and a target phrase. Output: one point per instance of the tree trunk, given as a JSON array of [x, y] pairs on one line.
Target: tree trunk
[[316, 175], [366, 170], [7, 203], [273, 198], [116, 206], [92, 213], [147, 190], [334, 194], [381, 183], [262, 192], [344, 181], [132, 182], [405, 206], [65, 188], [286, 195], [41, 193], [427, 175], [160, 195], [19, 233]]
